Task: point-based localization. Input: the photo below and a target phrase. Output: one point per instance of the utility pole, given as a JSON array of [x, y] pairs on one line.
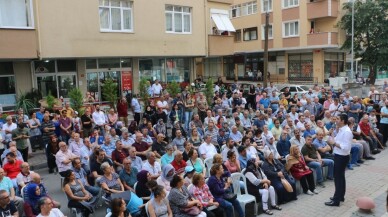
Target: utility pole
[[265, 73], [352, 58]]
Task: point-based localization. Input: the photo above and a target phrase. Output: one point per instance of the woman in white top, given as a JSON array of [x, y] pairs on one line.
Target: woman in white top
[[164, 180]]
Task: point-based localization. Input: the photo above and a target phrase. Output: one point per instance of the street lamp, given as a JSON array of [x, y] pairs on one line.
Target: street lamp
[[352, 58]]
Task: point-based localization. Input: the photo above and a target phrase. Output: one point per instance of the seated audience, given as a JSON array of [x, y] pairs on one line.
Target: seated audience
[[168, 171], [258, 184], [80, 175], [118, 155], [232, 164], [45, 205], [178, 163], [152, 166], [168, 157], [110, 181], [12, 168], [128, 175], [63, 158], [24, 177], [7, 185], [159, 205], [136, 160], [196, 162], [7, 206], [31, 208]]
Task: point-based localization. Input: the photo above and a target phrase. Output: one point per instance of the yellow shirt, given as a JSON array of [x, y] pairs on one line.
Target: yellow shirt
[[69, 112], [284, 102], [366, 100], [277, 132]]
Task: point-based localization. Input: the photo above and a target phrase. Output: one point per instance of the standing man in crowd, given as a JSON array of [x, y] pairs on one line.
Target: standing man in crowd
[[136, 109], [21, 134], [342, 146], [122, 110]]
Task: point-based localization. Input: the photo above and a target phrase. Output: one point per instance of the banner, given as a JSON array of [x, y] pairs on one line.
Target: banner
[[126, 80]]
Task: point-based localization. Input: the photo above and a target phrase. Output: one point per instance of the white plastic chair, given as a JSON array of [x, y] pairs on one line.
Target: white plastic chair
[[243, 170], [134, 186], [242, 198], [209, 163]]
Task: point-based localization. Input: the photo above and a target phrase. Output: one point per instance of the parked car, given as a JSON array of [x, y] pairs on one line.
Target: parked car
[[294, 88]]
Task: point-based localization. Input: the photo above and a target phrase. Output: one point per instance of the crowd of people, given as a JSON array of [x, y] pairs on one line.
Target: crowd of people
[[177, 157]]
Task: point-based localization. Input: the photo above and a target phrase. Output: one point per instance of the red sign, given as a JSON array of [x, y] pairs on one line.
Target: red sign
[[126, 80]]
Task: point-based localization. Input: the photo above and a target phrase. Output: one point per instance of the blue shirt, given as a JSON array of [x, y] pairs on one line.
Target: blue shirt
[[129, 179], [39, 115], [243, 161], [100, 140], [310, 132], [108, 149], [265, 102], [237, 137], [6, 184], [274, 107], [384, 120]]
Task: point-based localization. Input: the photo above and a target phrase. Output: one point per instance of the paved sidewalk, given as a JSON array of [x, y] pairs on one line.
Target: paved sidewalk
[[370, 180]]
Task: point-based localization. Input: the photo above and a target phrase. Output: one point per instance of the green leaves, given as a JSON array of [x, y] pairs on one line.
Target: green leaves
[[143, 91], [370, 32], [209, 91], [173, 88], [22, 102], [76, 99], [109, 91]]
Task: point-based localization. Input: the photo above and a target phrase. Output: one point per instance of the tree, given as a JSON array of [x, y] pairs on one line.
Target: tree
[[209, 91], [76, 99], [370, 32], [143, 91], [110, 92], [22, 102], [173, 88]]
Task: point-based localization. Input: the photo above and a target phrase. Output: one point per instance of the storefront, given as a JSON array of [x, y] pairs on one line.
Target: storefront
[[334, 64], [300, 67], [165, 69], [100, 70]]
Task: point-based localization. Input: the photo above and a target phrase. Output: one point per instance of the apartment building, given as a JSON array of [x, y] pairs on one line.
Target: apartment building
[[304, 41], [55, 46]]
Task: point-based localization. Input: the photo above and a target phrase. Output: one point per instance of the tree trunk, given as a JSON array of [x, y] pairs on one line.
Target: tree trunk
[[372, 74]]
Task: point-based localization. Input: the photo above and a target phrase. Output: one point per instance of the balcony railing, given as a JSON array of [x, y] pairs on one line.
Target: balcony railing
[[322, 9], [220, 45], [322, 38]]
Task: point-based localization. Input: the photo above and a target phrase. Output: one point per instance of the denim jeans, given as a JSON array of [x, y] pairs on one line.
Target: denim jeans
[[354, 154], [318, 168], [228, 206], [188, 116], [94, 190]]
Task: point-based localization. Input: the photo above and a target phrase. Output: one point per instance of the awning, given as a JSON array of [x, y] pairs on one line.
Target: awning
[[222, 21]]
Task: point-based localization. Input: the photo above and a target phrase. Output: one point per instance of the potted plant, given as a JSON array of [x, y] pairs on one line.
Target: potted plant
[[143, 92], [173, 88], [209, 91], [76, 99], [22, 102], [110, 92]]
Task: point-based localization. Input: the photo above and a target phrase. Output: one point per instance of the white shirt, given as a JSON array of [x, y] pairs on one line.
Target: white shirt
[[207, 119], [300, 143], [136, 106], [336, 110], [162, 104], [154, 170], [157, 89], [209, 150], [99, 118], [8, 137], [53, 213], [344, 139], [294, 116]]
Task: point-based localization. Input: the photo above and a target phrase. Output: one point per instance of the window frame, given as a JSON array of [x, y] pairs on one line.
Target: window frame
[[270, 32], [183, 13], [31, 18], [270, 3], [122, 9], [292, 5], [237, 35], [251, 29], [289, 22]]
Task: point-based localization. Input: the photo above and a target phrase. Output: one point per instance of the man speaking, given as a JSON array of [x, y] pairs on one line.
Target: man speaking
[[342, 146]]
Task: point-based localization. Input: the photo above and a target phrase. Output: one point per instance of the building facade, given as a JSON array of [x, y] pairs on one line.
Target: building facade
[[304, 42], [54, 46]]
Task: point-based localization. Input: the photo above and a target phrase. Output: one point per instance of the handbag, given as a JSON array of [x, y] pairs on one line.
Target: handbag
[[230, 196], [287, 185], [193, 211]]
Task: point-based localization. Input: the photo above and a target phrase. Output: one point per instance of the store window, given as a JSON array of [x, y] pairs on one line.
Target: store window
[[165, 69], [7, 85], [300, 66], [212, 67], [334, 64], [100, 70], [57, 77], [229, 68], [254, 67]]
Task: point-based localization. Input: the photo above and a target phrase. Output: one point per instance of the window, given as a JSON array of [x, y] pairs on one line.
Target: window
[[244, 9], [300, 67], [250, 34], [236, 11], [56, 76], [116, 15], [212, 67], [237, 36], [7, 85], [16, 14], [165, 69], [178, 19], [334, 64], [270, 32], [291, 29], [266, 6], [290, 3]]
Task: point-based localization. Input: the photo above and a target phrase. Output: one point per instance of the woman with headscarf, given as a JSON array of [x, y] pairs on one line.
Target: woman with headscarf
[[164, 180], [31, 208], [142, 189], [258, 184], [300, 171], [275, 171]]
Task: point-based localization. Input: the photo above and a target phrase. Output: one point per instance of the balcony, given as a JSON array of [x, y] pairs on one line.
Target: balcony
[[18, 44], [220, 45], [322, 38], [322, 9]]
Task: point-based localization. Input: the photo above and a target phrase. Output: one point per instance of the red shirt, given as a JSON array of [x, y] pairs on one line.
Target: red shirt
[[12, 170], [119, 156], [179, 168], [365, 128], [122, 109]]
